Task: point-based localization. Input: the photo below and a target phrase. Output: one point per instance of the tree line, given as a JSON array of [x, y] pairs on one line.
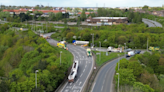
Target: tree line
[[134, 35], [21, 54], [142, 73]]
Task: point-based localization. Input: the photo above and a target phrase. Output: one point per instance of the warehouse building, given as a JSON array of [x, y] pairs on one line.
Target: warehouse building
[[107, 20]]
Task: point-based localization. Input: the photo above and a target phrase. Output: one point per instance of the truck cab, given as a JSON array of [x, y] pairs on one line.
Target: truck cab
[[89, 53]]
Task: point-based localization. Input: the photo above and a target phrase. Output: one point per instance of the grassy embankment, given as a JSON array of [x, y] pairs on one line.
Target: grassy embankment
[[104, 58]]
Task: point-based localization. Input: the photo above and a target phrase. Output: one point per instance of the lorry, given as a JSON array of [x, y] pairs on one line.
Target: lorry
[[44, 36], [62, 44], [75, 42], [153, 48], [111, 49], [73, 73], [89, 53]]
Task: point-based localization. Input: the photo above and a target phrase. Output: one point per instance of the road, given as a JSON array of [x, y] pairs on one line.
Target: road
[[104, 78], [151, 23], [85, 67]]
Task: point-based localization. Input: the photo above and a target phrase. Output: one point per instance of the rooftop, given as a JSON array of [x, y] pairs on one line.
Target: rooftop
[[109, 18]]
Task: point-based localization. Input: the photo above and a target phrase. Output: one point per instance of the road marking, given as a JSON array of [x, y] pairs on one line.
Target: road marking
[[80, 82], [93, 86], [81, 75], [101, 88], [70, 83], [73, 86], [69, 87], [77, 81], [83, 70], [88, 75], [66, 90], [64, 87]]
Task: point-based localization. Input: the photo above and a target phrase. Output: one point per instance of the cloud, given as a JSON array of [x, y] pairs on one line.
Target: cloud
[[85, 3]]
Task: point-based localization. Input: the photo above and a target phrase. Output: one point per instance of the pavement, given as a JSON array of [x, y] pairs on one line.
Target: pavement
[[85, 67]]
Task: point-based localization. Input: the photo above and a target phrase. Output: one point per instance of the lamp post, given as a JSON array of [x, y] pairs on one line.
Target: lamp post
[[92, 39], [147, 44], [36, 78], [60, 57], [125, 50], [100, 52], [118, 81], [118, 61]]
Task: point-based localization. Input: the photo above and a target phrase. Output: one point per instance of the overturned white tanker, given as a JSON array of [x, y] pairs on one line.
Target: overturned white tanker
[[73, 73]]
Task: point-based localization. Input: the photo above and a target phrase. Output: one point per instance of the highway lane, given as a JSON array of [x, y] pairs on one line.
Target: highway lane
[[85, 67], [151, 23], [146, 21], [104, 78]]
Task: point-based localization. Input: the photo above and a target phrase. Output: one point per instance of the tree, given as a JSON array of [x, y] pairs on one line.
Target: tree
[[126, 77], [136, 67], [70, 35], [140, 87], [123, 64], [83, 15], [65, 21], [59, 16], [78, 21], [145, 7]]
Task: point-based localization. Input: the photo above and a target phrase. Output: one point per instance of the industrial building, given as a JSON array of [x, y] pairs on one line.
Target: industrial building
[[107, 20]]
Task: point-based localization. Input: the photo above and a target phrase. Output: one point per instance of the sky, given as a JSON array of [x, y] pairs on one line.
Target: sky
[[85, 3]]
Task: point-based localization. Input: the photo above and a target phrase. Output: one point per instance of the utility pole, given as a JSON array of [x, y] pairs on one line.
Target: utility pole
[[118, 82], [36, 78], [147, 44], [125, 50], [60, 57], [92, 39], [100, 51], [118, 61]]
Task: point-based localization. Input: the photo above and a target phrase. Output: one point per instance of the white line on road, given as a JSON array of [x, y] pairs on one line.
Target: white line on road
[[64, 87], [77, 81], [83, 70], [80, 82], [81, 74], [93, 86], [101, 88]]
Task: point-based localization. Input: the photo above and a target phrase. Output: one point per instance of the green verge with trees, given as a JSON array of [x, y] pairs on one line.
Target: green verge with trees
[[104, 58], [134, 35], [21, 54], [142, 73]]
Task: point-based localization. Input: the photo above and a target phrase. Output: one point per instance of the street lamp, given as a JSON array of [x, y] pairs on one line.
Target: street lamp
[[36, 78], [125, 50], [60, 57], [118, 81], [118, 61], [100, 52], [147, 44]]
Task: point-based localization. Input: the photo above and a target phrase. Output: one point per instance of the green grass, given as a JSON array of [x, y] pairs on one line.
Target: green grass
[[105, 58]]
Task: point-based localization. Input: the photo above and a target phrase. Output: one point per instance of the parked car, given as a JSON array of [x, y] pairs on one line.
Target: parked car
[[137, 51], [129, 49]]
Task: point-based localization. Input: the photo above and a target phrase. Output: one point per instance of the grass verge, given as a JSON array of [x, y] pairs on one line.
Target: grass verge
[[100, 59]]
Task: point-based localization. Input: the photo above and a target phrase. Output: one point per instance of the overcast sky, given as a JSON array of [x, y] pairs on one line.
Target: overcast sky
[[84, 3]]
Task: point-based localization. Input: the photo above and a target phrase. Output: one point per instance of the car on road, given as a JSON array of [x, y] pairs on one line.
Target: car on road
[[129, 49], [137, 51]]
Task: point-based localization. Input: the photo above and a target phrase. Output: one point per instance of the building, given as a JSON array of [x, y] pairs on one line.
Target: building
[[107, 20]]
